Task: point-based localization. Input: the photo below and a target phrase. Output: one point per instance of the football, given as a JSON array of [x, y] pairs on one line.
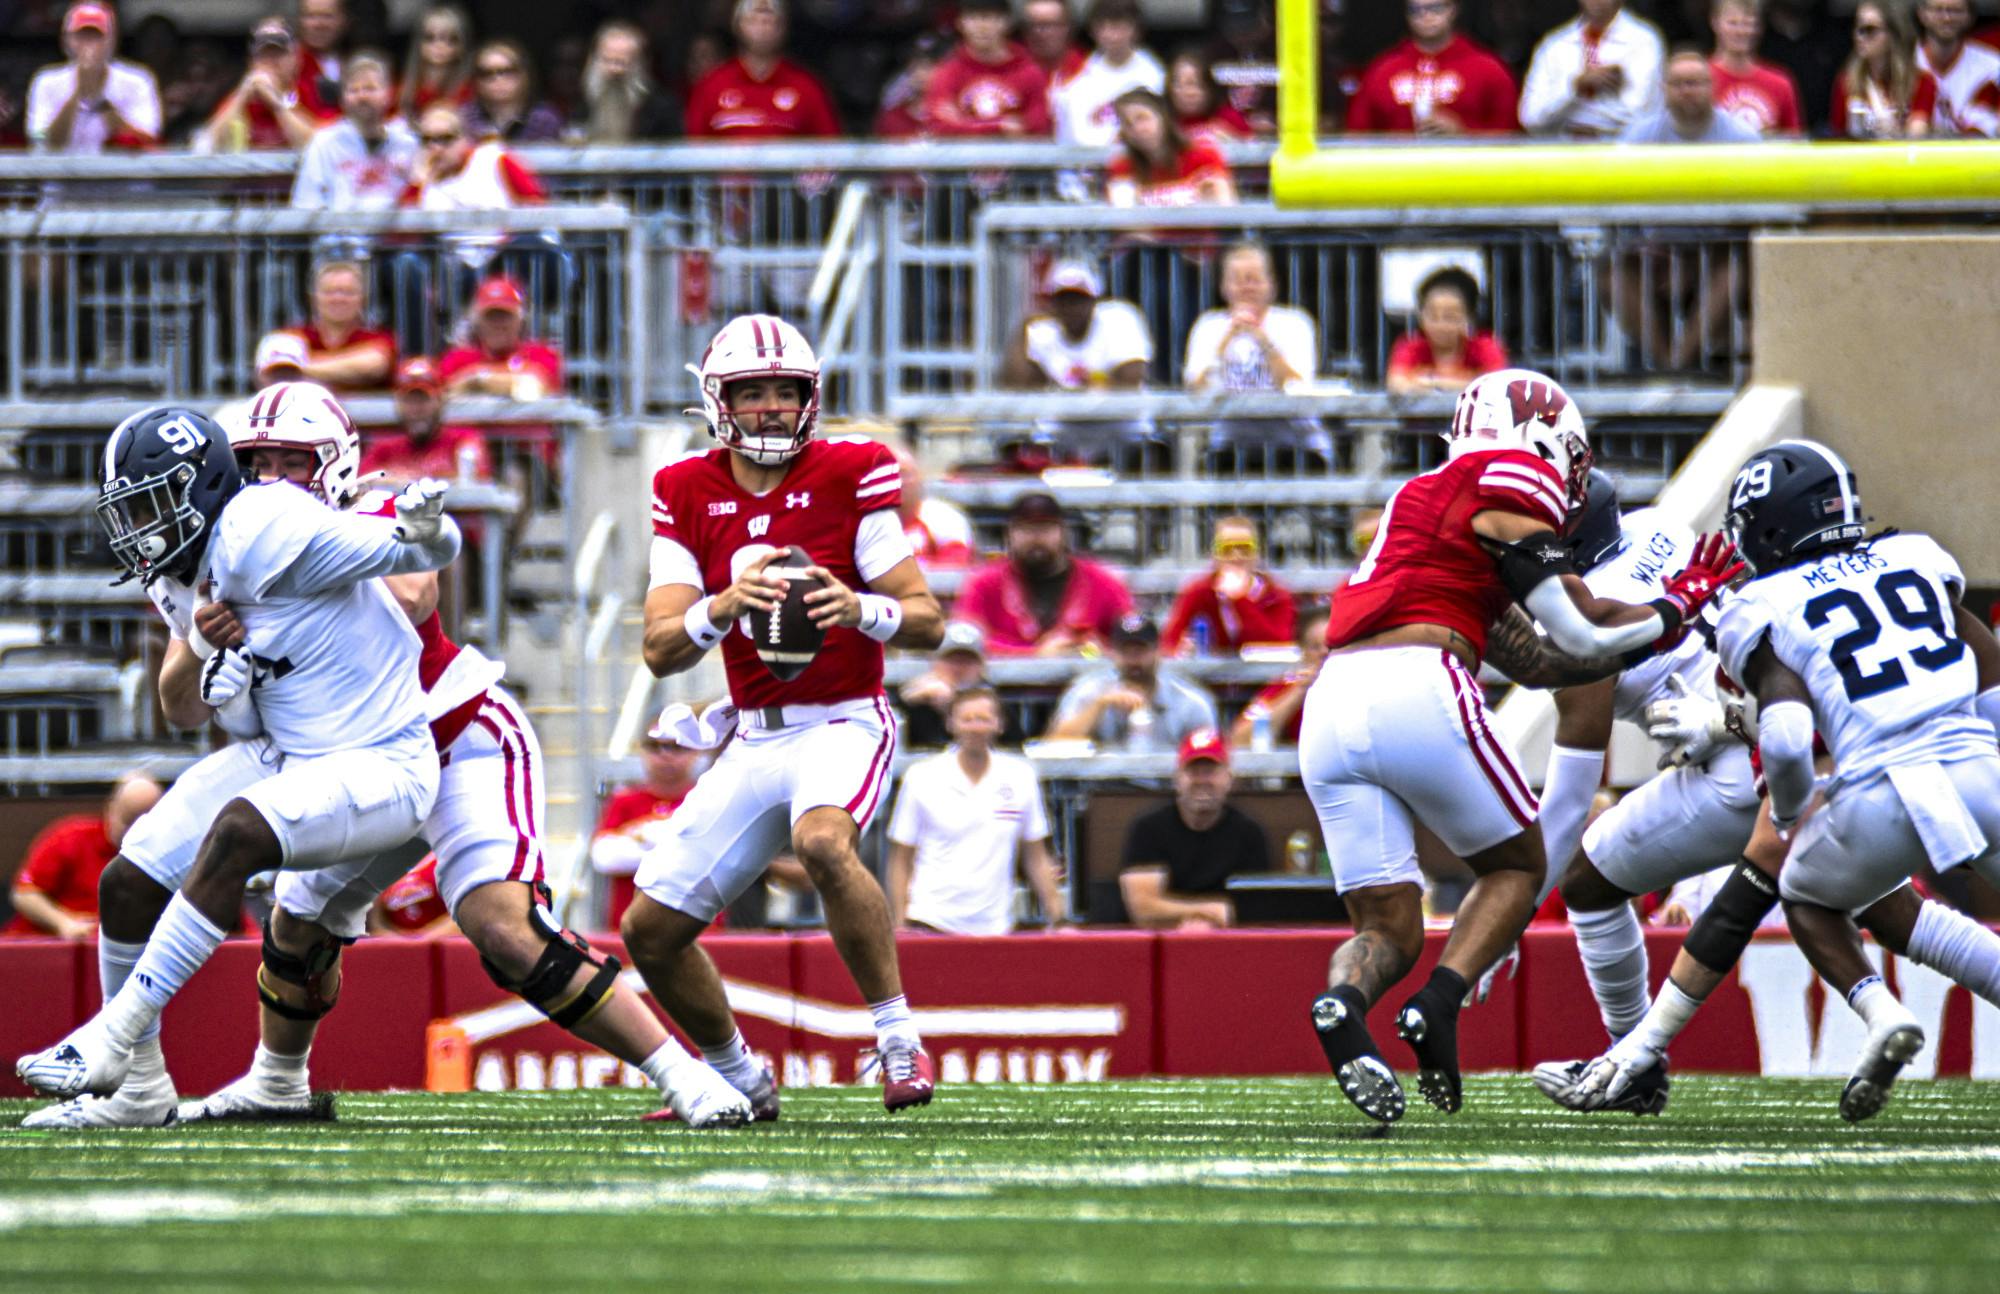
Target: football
[[787, 639]]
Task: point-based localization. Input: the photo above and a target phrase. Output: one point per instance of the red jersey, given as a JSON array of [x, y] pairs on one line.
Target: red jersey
[[63, 862], [1462, 79], [317, 349], [625, 808], [998, 600], [1412, 356], [1764, 99], [1853, 111], [1262, 613], [1200, 160], [413, 905], [788, 104], [405, 460], [968, 97], [819, 505], [1426, 565], [533, 357], [1225, 123]]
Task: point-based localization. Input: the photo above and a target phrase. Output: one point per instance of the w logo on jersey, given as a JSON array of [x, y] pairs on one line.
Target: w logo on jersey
[[759, 526], [1536, 402]]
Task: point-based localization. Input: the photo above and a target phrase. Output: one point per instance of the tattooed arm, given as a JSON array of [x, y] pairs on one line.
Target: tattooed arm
[[1531, 660]]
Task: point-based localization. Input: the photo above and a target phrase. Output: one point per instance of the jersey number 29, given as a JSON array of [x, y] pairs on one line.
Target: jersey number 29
[[1895, 591]]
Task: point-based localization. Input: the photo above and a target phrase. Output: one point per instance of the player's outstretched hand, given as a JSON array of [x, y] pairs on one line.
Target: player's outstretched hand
[[755, 589], [832, 603], [420, 510], [1708, 571]]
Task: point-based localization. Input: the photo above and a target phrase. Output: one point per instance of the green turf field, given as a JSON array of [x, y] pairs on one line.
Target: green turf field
[[1744, 1185]]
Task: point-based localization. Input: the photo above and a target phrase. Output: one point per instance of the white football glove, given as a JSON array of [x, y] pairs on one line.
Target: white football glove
[[1690, 726], [1606, 1078], [225, 676], [419, 509]]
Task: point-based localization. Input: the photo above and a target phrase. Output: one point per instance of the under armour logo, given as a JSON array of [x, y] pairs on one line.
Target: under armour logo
[[800, 500], [758, 525]]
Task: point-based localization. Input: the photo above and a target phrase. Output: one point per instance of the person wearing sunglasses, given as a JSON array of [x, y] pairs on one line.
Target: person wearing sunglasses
[[503, 104], [1882, 93], [1234, 604], [1436, 82]]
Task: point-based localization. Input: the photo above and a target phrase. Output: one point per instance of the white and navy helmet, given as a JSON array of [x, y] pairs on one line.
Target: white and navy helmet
[[1793, 501], [166, 476], [302, 416], [1595, 532], [754, 346], [1518, 408]]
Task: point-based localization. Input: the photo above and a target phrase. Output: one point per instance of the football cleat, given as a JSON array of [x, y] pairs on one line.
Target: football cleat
[[763, 1098], [703, 1099], [1565, 1083], [85, 1063], [247, 1101], [1432, 1032], [1883, 1056], [1359, 1069], [908, 1076], [152, 1105]]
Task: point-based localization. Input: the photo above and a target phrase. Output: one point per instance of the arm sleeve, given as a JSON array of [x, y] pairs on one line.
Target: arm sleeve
[[45, 100], [46, 861], [903, 823], [1204, 346], [1785, 740], [1297, 338], [144, 110], [1643, 94], [1034, 815], [1128, 339], [346, 550], [1546, 98], [310, 190], [1553, 608], [1180, 617], [1075, 697], [522, 184], [880, 545], [672, 563], [1573, 778]]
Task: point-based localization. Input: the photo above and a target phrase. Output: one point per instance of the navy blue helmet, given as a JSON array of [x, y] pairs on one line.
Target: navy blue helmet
[[1594, 532], [167, 474], [1793, 501]]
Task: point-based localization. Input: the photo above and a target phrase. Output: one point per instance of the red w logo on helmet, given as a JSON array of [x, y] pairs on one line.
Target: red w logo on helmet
[[1536, 402]]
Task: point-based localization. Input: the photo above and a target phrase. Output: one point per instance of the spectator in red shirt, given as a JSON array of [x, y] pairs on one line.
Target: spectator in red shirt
[[342, 352], [760, 94], [1234, 604], [1436, 82], [989, 85], [1200, 108], [322, 28], [55, 890], [1446, 350], [903, 114], [939, 532], [1283, 702], [504, 106], [633, 815], [1881, 93], [1159, 166], [264, 111], [439, 69], [455, 173], [1760, 95], [501, 361], [422, 445], [1041, 599], [1048, 32]]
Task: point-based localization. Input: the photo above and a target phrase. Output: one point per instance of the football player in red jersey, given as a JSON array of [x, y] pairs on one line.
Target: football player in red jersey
[[1396, 729], [811, 754]]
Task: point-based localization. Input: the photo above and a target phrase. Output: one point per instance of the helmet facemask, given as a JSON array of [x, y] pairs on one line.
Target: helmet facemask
[[152, 523], [766, 448]]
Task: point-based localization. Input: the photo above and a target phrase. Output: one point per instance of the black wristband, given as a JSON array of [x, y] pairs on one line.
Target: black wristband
[[1670, 613]]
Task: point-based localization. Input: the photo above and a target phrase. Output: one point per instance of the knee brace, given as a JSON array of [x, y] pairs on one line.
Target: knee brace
[[546, 987], [305, 970], [1723, 930]]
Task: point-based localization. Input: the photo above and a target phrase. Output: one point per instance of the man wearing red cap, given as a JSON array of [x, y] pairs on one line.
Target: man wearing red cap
[[93, 102], [500, 361], [265, 111], [1179, 858], [421, 445]]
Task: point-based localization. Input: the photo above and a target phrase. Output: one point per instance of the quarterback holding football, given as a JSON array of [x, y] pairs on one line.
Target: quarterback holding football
[[786, 552]]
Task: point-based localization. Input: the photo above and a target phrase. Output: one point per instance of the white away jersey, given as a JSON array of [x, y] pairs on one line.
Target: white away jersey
[[1655, 547], [1871, 630], [336, 659]]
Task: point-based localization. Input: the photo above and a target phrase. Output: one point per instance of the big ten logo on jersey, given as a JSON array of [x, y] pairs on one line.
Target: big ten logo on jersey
[[726, 508], [760, 526]]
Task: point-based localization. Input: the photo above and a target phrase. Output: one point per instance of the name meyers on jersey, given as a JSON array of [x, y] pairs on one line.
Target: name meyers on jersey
[[1827, 571]]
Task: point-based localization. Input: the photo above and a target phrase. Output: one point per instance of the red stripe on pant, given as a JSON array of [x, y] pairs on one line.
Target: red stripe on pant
[[1475, 730], [509, 757], [877, 769], [515, 721]]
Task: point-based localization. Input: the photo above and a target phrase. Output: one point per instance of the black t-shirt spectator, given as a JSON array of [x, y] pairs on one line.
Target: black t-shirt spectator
[[1198, 862]]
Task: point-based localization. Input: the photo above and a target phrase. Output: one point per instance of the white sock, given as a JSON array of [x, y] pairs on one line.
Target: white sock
[[182, 942], [277, 1072], [1875, 1004], [115, 960], [1956, 946], [1668, 1015], [657, 1066], [893, 1022], [734, 1062], [1614, 961]]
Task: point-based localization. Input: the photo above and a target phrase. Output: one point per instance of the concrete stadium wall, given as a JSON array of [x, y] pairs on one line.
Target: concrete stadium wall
[[1894, 338]]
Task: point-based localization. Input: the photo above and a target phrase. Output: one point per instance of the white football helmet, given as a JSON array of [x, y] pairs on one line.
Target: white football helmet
[[1518, 408], [305, 416], [751, 346]]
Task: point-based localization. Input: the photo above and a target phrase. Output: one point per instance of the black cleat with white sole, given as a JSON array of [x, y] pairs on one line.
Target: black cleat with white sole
[[1364, 1078], [1430, 1025], [1881, 1060]]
